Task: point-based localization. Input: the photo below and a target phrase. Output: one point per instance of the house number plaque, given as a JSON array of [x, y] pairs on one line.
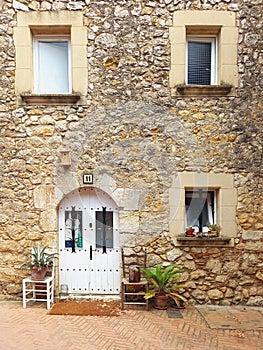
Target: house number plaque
[[88, 179]]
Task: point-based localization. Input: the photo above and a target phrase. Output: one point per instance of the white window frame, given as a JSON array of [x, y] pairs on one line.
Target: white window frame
[[196, 192], [51, 38], [214, 61]]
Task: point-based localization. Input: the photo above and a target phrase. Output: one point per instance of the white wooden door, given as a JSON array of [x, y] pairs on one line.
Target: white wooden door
[[89, 258]]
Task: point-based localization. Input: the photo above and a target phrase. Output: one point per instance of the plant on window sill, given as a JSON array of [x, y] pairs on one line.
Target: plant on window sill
[[190, 232], [214, 229]]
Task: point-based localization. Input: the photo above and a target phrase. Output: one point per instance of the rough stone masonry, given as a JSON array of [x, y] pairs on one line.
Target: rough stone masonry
[[132, 132]]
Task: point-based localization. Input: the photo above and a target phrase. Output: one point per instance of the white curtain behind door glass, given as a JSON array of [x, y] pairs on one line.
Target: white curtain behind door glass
[[53, 67]]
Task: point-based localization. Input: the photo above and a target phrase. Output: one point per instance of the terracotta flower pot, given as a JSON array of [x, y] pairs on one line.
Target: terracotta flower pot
[[160, 302], [38, 275], [190, 232]]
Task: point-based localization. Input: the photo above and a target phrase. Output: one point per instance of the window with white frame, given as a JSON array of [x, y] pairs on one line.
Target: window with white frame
[[204, 48], [201, 60], [199, 198], [55, 71], [200, 209], [52, 64]]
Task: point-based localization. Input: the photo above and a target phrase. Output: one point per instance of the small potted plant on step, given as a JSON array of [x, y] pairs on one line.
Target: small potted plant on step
[[39, 261], [164, 281]]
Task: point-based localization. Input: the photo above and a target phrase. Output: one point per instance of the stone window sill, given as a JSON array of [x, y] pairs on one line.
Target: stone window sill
[[204, 241], [204, 90], [50, 99]]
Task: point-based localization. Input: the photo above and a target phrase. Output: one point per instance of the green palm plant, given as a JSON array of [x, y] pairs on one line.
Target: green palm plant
[[165, 281]]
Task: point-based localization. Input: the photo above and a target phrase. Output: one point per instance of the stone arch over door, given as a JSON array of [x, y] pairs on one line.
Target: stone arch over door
[[89, 242]]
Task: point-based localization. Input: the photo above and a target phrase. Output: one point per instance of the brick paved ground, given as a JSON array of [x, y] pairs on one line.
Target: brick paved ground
[[33, 329]]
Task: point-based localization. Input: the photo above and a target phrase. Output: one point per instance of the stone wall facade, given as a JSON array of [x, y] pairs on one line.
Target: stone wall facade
[[134, 136]]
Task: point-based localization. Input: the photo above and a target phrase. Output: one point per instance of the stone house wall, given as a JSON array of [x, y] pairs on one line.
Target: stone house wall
[[134, 136]]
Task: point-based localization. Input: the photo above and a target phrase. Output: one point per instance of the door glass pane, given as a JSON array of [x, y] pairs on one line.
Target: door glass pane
[[75, 222], [53, 67], [199, 63], [104, 229]]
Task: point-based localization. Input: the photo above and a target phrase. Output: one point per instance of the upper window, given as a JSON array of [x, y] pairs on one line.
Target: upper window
[[203, 53], [51, 58], [201, 60], [200, 209], [52, 65]]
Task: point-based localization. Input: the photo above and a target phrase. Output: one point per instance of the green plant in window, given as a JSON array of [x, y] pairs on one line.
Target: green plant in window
[[214, 228]]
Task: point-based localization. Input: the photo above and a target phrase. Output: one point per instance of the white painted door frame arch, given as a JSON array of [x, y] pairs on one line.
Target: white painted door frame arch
[[89, 254]]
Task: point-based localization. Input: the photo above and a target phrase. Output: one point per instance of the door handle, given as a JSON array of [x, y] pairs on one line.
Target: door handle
[[90, 251]]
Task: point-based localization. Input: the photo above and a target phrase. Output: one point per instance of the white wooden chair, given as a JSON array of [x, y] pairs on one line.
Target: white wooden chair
[[39, 290]]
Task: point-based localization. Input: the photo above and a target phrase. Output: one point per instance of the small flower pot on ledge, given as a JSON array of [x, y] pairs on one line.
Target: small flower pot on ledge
[[189, 232], [213, 233], [214, 229]]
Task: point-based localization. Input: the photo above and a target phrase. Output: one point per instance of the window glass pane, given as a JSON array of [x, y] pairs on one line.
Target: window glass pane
[[199, 207], [196, 212], [53, 67], [104, 233], [199, 63], [77, 222]]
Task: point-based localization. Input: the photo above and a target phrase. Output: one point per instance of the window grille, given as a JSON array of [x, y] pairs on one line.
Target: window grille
[[199, 63], [201, 60]]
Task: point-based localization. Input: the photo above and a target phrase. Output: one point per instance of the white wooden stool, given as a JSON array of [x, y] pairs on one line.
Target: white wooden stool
[[34, 291]]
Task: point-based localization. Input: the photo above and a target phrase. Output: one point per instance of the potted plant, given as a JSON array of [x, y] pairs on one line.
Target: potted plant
[[190, 231], [165, 285], [214, 229], [39, 261]]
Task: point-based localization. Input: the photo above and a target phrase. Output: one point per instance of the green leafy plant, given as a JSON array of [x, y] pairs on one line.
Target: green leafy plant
[[214, 227], [164, 281], [39, 257]]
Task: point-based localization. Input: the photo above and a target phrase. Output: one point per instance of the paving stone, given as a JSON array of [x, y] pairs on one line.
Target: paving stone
[[174, 313], [34, 329], [234, 317]]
